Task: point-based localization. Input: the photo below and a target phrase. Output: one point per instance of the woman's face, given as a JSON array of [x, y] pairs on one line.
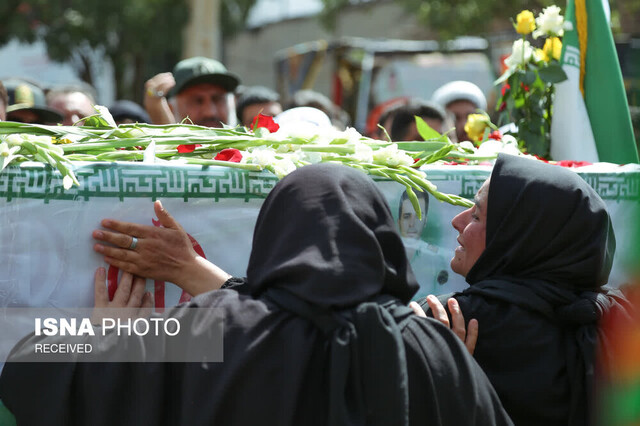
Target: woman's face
[[471, 224]]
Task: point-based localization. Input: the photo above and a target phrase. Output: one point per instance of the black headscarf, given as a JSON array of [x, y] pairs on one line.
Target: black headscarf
[[545, 222], [319, 335], [325, 239], [326, 234], [536, 290]]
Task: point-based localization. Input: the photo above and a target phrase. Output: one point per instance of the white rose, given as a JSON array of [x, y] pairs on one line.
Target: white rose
[[550, 23], [520, 54]]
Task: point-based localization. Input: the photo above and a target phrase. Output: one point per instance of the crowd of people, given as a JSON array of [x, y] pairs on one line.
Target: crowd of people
[[203, 92], [321, 330]]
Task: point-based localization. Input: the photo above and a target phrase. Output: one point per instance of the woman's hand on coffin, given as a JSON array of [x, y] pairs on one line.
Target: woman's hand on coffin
[[163, 253], [129, 300]]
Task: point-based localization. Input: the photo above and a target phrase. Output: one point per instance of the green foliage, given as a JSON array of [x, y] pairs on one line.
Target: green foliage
[[450, 18], [526, 101], [139, 37], [234, 15]]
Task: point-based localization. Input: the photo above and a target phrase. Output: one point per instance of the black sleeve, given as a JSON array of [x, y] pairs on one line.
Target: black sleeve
[[235, 283], [446, 385]]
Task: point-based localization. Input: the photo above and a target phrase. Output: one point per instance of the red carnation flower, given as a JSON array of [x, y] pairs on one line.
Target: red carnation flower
[[185, 149], [495, 135], [229, 154], [266, 122], [573, 163]]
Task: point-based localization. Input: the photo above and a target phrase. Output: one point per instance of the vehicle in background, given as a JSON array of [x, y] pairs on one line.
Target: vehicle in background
[[363, 75]]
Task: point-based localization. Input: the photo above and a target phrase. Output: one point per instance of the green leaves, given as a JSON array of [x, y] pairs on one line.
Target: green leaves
[[426, 132], [552, 73]]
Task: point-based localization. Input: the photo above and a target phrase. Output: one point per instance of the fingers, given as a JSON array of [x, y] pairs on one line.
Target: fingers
[[165, 218], [124, 265], [128, 228], [147, 306], [472, 336], [137, 292], [123, 292], [122, 254], [417, 309], [458, 326], [100, 295], [120, 240], [438, 310]]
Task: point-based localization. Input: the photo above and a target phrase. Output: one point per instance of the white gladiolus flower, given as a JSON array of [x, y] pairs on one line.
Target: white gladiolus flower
[[263, 156], [283, 167], [492, 147], [392, 157], [363, 154], [67, 182], [313, 157], [352, 135], [15, 139], [467, 146], [520, 54], [550, 23], [4, 149]]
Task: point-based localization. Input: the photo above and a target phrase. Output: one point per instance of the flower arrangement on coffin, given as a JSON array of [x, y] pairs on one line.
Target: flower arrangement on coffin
[[528, 82], [279, 150]]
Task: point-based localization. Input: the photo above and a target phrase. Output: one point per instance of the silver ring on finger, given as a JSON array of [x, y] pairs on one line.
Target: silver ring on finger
[[134, 243]]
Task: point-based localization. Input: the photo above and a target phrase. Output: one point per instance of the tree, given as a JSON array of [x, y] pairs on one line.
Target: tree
[[451, 18], [138, 37]]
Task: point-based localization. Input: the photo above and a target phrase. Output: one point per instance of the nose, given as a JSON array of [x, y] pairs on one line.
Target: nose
[[461, 220], [211, 108]]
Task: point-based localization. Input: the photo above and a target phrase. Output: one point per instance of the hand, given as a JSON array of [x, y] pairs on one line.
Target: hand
[[130, 294], [161, 253], [469, 337], [155, 98]]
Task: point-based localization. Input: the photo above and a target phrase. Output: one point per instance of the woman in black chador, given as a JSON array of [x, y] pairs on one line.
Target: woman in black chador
[[319, 334], [536, 250]]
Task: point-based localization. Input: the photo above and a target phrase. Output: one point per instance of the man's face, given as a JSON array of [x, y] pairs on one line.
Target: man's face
[[268, 108], [73, 107], [408, 222], [471, 225], [205, 104], [412, 132], [461, 109]]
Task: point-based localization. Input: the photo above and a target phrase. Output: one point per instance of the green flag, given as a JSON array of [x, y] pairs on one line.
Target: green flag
[[605, 132]]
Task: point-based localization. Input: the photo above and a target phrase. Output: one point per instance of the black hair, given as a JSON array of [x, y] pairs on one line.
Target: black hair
[[420, 195], [254, 95], [404, 116], [310, 98]]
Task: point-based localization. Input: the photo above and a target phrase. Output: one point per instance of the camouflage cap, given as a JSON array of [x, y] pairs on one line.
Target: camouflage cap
[[198, 69], [24, 95]]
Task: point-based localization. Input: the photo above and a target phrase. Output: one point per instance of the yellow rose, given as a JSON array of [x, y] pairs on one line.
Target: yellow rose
[[540, 55], [525, 22], [476, 123], [552, 48]]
